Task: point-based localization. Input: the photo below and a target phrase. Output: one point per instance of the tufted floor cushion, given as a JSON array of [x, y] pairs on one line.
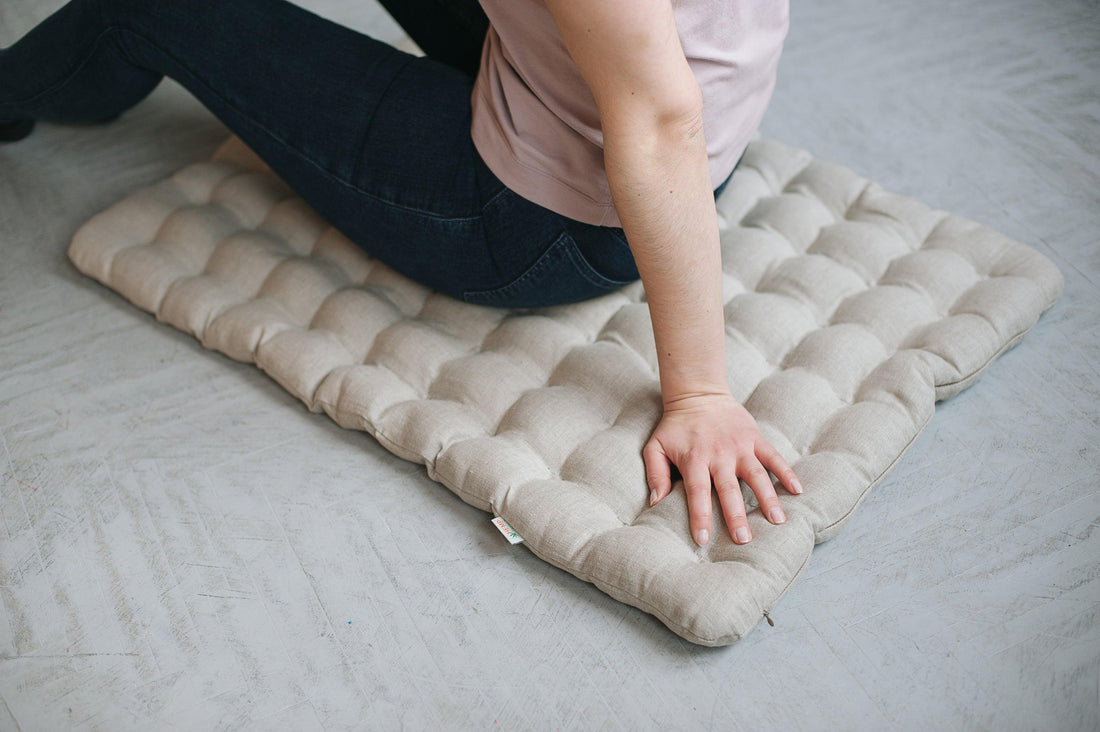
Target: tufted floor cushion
[[849, 312]]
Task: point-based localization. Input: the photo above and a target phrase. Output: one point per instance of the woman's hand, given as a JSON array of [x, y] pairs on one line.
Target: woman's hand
[[655, 155], [711, 438]]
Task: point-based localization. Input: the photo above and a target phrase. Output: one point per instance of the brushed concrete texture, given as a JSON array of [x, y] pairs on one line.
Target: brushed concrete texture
[[183, 545]]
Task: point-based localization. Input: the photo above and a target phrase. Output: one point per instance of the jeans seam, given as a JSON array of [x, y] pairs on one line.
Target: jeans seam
[[586, 270], [494, 197], [621, 237], [370, 120], [540, 264], [61, 84], [569, 248]]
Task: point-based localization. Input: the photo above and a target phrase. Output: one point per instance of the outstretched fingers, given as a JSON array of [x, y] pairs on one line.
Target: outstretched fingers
[[697, 486], [770, 458], [756, 477], [750, 467], [733, 506]]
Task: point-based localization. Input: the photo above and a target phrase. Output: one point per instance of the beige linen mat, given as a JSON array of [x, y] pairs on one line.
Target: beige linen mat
[[849, 312]]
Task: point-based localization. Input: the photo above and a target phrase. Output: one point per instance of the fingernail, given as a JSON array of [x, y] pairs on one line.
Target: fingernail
[[776, 515], [653, 498], [741, 535], [796, 486], [701, 536]]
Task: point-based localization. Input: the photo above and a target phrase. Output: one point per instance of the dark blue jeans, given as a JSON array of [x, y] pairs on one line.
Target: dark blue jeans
[[377, 141]]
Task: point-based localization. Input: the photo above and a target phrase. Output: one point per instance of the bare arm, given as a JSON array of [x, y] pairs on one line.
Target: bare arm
[[650, 108]]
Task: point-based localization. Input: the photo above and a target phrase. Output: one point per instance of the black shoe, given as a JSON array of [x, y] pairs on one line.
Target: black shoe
[[15, 130]]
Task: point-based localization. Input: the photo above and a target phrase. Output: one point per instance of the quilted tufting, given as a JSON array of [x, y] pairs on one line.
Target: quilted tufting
[[849, 312]]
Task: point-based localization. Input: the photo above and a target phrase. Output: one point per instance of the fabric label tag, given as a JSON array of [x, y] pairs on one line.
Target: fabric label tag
[[506, 529]]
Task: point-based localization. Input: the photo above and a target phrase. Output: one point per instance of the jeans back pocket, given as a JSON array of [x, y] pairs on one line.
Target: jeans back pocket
[[560, 275]]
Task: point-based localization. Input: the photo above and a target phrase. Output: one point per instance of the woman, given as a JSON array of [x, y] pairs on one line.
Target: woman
[[546, 151]]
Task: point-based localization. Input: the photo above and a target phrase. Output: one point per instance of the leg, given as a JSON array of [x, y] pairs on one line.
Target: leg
[[28, 85], [374, 139], [123, 91], [377, 141], [451, 32], [15, 129]]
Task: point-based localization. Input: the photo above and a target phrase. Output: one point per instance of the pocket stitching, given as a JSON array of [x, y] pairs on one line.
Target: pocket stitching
[[564, 246], [586, 270], [544, 261]]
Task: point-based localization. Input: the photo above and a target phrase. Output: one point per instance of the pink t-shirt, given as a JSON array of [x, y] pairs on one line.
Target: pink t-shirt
[[535, 122]]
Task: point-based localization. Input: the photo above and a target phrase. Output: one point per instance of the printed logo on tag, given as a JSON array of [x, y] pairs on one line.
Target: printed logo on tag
[[506, 529]]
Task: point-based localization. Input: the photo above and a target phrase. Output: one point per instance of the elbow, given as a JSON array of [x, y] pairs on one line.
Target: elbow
[[661, 124], [686, 127], [683, 117], [674, 116]]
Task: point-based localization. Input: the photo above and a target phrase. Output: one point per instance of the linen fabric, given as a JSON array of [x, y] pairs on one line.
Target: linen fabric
[[849, 312], [536, 124]]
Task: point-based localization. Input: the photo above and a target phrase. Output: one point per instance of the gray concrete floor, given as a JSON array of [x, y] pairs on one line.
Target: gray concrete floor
[[182, 544]]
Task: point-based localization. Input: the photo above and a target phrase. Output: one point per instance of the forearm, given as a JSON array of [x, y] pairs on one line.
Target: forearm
[[660, 182], [650, 105]]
